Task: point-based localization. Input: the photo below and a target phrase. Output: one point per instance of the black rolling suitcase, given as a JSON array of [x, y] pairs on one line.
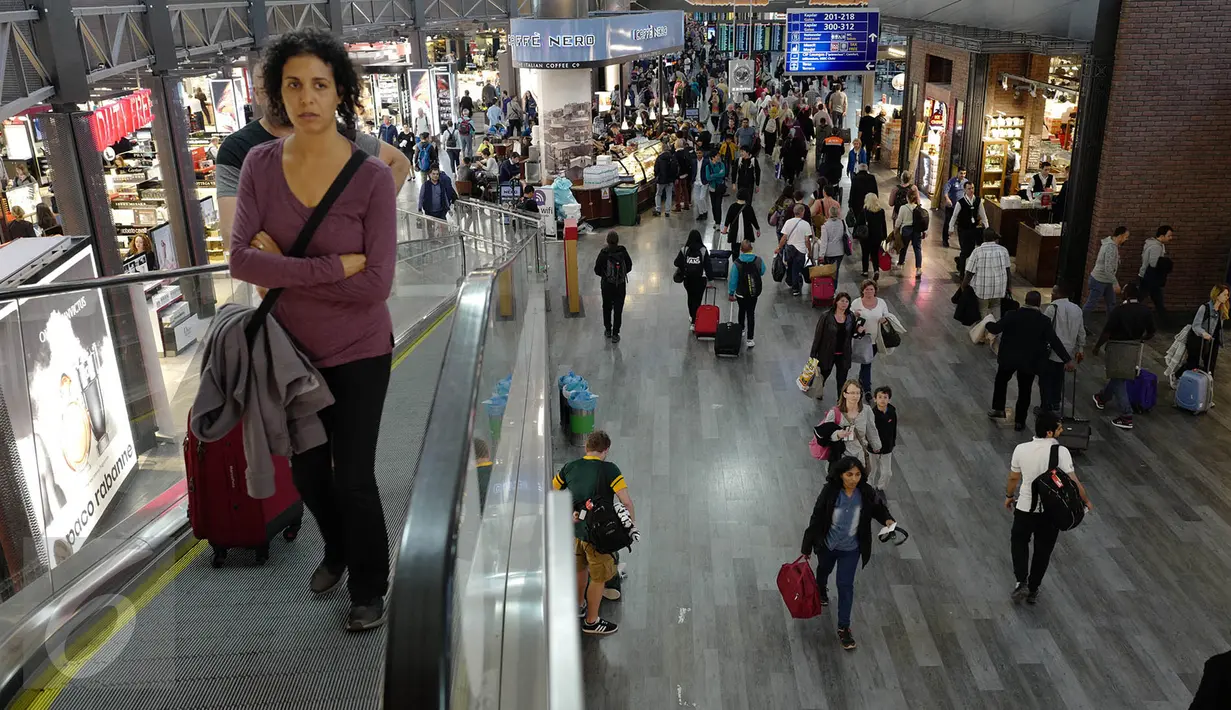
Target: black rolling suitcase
[[1076, 434], [730, 337]]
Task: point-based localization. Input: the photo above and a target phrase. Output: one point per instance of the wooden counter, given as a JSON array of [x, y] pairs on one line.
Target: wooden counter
[[597, 204], [645, 195], [1038, 256], [1007, 222]]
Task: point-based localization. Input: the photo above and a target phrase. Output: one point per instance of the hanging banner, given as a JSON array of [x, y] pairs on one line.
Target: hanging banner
[[111, 122], [743, 75], [578, 43]]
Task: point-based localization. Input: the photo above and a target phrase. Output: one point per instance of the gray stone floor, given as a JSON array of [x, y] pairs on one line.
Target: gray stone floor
[[716, 456]]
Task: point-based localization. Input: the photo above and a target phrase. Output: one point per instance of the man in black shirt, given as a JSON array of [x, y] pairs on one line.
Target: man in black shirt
[[1130, 322], [466, 103], [1025, 334]]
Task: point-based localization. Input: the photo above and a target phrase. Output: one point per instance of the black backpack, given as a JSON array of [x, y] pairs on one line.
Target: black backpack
[[749, 278], [1055, 495], [695, 265], [920, 219], [605, 528], [451, 141], [616, 273]]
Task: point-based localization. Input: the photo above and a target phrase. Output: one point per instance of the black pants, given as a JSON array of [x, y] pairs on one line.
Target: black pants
[[1149, 285], [870, 249], [841, 366], [515, 127], [1025, 526], [455, 158], [696, 294], [1025, 381], [967, 240], [944, 235], [1051, 385], [748, 312], [1202, 353], [613, 306], [771, 140], [716, 206], [337, 480]]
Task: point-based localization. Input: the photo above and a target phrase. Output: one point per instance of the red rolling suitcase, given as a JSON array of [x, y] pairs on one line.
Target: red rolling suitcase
[[219, 507], [823, 289], [706, 325]]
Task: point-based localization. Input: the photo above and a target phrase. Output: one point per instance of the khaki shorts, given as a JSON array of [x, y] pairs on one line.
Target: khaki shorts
[[602, 567]]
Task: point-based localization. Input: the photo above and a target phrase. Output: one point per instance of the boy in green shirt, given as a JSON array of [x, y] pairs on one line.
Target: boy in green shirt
[[584, 479]]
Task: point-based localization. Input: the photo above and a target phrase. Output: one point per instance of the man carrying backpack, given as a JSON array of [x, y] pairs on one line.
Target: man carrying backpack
[[1044, 469], [465, 133], [594, 484], [612, 266], [452, 146], [426, 155], [744, 286]]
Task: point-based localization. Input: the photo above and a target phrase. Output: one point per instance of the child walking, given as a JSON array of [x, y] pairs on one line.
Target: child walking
[[887, 426]]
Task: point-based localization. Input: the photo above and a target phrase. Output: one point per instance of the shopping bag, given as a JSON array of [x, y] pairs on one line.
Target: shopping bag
[[978, 332], [797, 585], [808, 375]]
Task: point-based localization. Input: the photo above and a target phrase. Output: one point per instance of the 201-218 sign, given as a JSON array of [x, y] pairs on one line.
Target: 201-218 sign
[[829, 41]]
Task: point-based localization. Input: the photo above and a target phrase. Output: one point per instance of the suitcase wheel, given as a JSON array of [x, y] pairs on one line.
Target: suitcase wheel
[[262, 554], [220, 556], [292, 531]]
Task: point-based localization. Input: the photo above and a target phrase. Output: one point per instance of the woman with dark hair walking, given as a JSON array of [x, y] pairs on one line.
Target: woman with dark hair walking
[[831, 344], [741, 211], [840, 531], [334, 302], [690, 266]]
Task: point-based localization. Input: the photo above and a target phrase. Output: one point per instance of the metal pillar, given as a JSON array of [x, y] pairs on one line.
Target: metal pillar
[[908, 111], [1096, 77], [971, 148], [78, 184]]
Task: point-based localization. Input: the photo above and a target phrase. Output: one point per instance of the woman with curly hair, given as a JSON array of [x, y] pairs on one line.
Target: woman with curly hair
[[334, 302]]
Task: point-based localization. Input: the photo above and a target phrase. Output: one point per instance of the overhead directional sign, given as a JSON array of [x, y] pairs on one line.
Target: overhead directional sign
[[831, 40]]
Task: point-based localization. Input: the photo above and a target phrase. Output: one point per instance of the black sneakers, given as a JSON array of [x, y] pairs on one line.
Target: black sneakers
[[824, 596], [1123, 422], [1019, 593], [1098, 402], [364, 617], [607, 333], [1033, 597], [325, 580], [602, 627], [995, 414], [846, 638], [615, 337]]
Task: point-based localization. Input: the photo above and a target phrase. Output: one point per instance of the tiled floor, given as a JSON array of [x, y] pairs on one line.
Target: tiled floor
[[716, 456]]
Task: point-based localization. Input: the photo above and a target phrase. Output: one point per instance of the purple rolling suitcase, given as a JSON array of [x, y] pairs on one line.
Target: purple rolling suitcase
[[1143, 392]]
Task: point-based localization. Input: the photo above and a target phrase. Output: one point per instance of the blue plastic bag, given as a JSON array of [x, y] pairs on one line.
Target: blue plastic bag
[[584, 400]]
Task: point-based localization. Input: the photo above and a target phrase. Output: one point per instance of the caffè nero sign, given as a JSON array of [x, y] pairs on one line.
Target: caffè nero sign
[[593, 41]]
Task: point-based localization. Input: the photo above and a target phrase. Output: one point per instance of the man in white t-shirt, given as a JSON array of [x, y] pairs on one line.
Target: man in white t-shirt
[[1031, 460], [795, 246]]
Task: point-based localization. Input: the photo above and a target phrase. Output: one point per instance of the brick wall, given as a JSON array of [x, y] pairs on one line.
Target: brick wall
[[1165, 149]]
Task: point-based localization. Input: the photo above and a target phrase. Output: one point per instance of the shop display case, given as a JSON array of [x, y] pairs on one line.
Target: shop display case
[[1007, 128], [630, 170], [994, 163], [645, 157]]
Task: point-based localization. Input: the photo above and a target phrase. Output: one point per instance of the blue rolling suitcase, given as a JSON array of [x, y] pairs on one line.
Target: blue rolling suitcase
[[1193, 391]]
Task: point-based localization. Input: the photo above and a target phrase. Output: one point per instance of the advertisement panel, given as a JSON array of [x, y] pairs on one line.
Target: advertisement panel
[[421, 101], [226, 109], [593, 41], [71, 429]]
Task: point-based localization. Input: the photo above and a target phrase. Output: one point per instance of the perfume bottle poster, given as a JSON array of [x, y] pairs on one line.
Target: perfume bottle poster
[[83, 444]]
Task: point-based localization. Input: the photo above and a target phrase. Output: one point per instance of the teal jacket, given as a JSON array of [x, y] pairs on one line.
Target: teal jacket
[[714, 175], [733, 277]]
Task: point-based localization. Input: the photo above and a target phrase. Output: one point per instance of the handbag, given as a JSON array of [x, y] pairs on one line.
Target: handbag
[[890, 337], [778, 270], [1008, 303], [305, 236], [1123, 359], [678, 277], [822, 271], [820, 451], [799, 590]]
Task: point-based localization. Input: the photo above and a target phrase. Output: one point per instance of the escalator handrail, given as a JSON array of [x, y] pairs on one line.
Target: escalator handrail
[[419, 653], [51, 289]]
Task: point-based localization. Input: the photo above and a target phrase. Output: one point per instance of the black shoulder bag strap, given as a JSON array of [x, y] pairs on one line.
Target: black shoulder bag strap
[[1053, 462], [305, 236]]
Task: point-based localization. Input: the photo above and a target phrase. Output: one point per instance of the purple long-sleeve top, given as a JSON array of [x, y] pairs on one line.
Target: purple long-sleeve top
[[334, 319]]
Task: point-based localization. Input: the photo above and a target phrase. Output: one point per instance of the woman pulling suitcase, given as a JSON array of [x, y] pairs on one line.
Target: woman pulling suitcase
[[334, 302]]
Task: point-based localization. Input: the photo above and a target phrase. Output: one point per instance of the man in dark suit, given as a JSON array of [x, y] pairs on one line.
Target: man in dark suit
[[1025, 336], [1215, 690]]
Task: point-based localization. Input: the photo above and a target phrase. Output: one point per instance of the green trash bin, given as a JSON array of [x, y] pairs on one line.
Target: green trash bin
[[626, 205]]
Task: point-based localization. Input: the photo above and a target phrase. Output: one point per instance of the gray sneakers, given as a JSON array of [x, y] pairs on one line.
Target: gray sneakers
[[325, 580], [363, 617]]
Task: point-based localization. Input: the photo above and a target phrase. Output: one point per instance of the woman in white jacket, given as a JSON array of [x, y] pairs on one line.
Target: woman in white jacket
[[856, 433], [866, 344]]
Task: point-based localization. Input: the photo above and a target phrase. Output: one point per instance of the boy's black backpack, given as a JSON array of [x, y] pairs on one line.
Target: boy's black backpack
[[616, 273], [607, 532], [1055, 495], [749, 278]]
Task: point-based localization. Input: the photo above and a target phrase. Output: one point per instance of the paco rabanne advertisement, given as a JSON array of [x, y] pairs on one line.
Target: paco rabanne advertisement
[[72, 432]]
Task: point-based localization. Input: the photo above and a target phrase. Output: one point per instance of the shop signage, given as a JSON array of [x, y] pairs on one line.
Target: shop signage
[[74, 441], [593, 41], [111, 122], [829, 41]]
